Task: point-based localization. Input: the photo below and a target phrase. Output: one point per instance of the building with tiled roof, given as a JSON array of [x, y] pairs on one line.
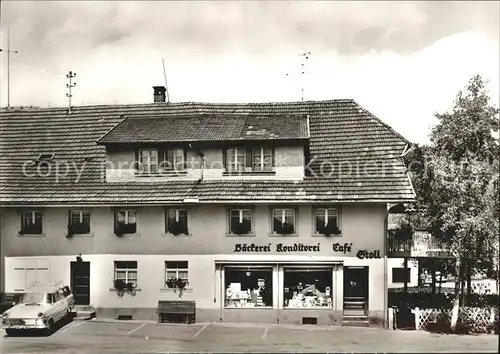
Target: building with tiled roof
[[268, 206]]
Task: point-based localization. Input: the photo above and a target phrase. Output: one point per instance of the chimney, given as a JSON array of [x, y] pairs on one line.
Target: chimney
[[159, 93]]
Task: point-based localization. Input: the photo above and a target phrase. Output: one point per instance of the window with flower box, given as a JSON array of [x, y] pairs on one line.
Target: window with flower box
[[283, 221], [176, 222], [240, 221], [326, 221], [31, 222], [126, 271], [125, 222], [79, 222], [175, 270]]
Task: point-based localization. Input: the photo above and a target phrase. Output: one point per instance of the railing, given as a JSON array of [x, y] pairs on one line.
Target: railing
[[422, 244]]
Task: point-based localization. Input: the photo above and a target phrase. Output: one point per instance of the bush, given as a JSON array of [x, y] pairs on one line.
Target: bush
[[439, 323], [426, 300], [465, 324], [423, 300], [483, 300]]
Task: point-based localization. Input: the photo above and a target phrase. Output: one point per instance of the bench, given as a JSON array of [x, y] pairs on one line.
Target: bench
[[176, 311]]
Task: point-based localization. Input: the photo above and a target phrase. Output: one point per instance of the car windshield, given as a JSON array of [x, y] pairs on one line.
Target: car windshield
[[32, 298]]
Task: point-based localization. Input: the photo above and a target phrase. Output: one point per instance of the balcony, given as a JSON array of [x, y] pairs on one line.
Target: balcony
[[421, 245]]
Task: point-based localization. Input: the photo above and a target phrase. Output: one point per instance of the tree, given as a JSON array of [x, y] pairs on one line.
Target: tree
[[456, 180], [464, 159]]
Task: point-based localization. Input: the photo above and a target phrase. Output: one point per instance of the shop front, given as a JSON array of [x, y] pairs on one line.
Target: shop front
[[298, 287]]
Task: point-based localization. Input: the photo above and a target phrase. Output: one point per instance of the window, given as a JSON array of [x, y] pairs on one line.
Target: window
[[80, 221], [235, 159], [176, 221], [126, 271], [27, 273], [148, 160], [31, 222], [240, 221], [262, 159], [174, 160], [257, 159], [248, 287], [307, 287], [126, 222], [283, 221], [175, 270], [399, 275], [51, 298], [326, 221]]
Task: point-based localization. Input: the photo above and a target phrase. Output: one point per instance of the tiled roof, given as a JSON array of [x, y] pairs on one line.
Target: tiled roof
[[342, 135], [174, 128]]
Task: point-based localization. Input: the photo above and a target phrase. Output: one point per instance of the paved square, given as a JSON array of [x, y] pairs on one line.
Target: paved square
[[136, 337]]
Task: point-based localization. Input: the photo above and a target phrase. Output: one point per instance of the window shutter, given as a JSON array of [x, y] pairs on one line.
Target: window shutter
[[224, 158], [170, 159], [248, 158], [161, 156], [273, 163], [137, 161]]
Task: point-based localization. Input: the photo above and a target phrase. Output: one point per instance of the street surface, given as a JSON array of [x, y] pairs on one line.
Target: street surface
[[96, 336]]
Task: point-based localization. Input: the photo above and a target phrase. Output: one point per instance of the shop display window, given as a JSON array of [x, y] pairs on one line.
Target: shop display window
[[307, 287], [248, 287]]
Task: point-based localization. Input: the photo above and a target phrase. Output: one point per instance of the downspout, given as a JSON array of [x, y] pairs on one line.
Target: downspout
[[386, 290], [222, 292], [278, 292]]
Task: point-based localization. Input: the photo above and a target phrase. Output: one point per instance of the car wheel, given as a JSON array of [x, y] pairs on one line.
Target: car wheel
[[11, 332], [50, 327]]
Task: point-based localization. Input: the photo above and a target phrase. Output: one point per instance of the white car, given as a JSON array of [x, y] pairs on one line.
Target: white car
[[40, 307]]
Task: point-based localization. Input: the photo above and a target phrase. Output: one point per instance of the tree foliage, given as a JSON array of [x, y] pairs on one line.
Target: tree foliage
[[456, 178]]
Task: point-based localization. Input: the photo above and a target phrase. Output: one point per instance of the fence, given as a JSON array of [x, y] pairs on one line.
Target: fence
[[471, 319]]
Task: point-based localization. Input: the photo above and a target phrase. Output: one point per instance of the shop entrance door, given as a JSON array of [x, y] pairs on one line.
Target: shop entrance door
[[80, 282], [356, 291]]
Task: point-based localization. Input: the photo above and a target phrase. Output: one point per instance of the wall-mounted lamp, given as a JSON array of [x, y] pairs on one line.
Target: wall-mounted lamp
[[79, 258]]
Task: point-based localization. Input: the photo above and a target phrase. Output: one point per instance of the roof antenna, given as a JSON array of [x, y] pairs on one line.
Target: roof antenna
[[165, 76], [305, 56], [70, 76]]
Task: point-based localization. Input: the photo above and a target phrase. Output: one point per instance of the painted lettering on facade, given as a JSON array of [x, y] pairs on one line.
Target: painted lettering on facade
[[364, 254], [344, 248], [243, 247], [296, 247]]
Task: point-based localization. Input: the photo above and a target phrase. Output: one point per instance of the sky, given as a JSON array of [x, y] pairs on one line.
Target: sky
[[402, 61]]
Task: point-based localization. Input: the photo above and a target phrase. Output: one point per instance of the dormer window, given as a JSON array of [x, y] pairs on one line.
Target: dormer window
[[148, 160], [174, 160], [262, 159], [256, 159], [236, 159]]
